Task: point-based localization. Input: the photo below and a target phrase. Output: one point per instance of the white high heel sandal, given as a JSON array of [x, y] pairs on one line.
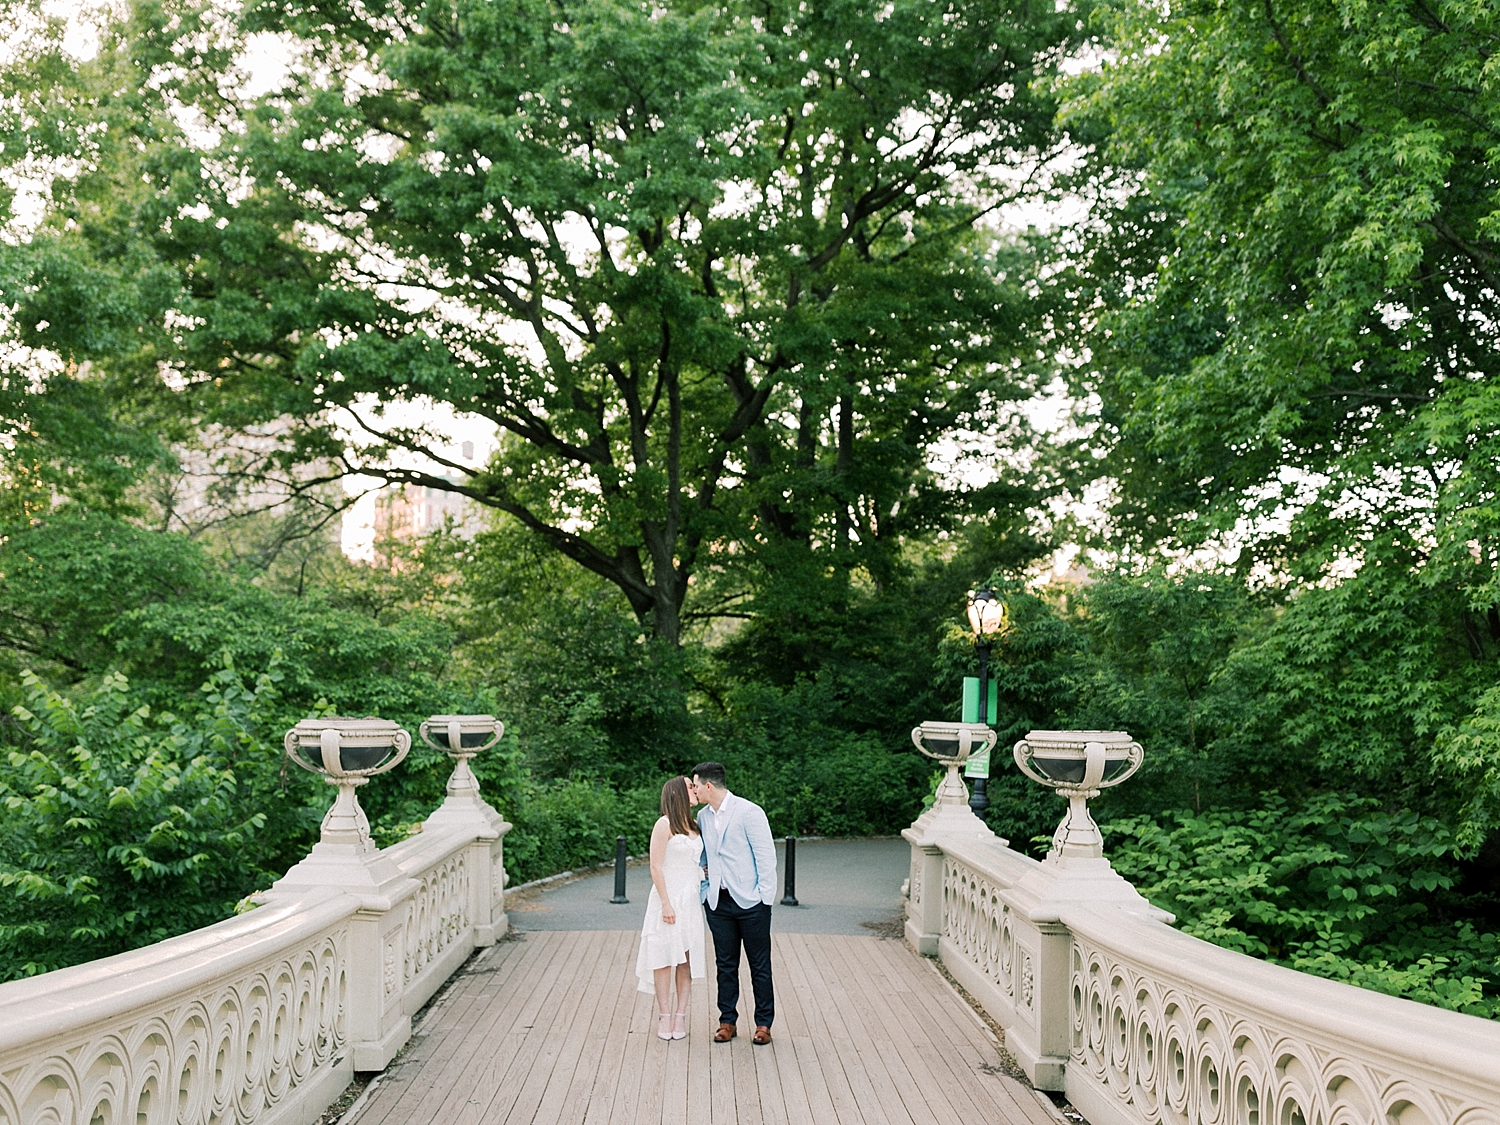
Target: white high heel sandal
[[679, 1025], [664, 1025]]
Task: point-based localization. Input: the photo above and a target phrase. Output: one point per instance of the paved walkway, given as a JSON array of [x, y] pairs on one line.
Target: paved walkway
[[549, 1028], [840, 884]]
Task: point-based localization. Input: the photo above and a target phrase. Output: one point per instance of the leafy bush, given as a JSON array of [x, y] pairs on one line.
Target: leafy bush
[[839, 784], [571, 823], [787, 749], [557, 824], [124, 827], [1339, 887]]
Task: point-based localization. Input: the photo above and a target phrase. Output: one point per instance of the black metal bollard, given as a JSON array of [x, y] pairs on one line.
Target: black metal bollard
[[619, 870], [790, 897]]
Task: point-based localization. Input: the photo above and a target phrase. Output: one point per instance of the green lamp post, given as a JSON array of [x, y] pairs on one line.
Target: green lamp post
[[986, 618]]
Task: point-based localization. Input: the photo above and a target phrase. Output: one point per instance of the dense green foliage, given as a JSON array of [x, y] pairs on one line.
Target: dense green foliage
[[1339, 887], [715, 272], [122, 827], [1298, 799], [729, 282], [1284, 295], [1287, 284], [150, 768]]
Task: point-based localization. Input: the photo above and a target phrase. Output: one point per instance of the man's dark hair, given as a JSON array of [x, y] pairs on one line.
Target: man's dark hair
[[711, 772]]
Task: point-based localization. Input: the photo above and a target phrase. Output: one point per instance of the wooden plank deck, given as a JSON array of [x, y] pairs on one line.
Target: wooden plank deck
[[549, 1030]]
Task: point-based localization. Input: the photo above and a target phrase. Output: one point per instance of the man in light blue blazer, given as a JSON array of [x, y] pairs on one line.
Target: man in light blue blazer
[[739, 867]]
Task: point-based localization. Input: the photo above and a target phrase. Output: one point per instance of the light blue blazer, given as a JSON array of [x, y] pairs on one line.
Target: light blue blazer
[[738, 852]]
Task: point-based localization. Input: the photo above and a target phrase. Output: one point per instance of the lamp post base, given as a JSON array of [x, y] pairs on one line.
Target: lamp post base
[[979, 800]]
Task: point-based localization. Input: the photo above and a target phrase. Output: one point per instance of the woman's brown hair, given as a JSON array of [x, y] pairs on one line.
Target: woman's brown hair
[[676, 807]]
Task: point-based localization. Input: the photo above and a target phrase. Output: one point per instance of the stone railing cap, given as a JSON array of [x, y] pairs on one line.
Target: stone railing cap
[[66, 1000]]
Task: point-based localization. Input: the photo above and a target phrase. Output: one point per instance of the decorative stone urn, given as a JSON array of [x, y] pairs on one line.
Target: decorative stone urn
[[1078, 764], [461, 737], [952, 744], [949, 818], [347, 752]]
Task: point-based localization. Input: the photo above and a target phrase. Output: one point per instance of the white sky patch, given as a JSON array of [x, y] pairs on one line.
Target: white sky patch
[[357, 535], [28, 365], [267, 63], [972, 458], [1298, 488], [30, 182], [81, 39], [1043, 214]]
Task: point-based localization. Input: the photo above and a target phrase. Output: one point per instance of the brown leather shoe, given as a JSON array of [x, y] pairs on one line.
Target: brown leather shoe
[[761, 1037], [726, 1032]]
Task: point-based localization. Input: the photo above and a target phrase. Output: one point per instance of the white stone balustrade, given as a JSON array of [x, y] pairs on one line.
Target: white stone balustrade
[[264, 1017], [1141, 1024]]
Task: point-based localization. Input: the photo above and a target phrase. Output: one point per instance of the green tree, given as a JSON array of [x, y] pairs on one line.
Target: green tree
[[1152, 658], [1287, 284], [66, 578], [1284, 300], [1371, 681], [716, 272], [572, 671], [90, 593], [123, 827]]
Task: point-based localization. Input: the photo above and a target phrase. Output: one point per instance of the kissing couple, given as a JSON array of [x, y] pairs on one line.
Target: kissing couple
[[720, 867]]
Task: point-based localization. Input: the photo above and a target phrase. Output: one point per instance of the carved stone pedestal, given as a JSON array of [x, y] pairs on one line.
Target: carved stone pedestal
[[465, 811], [949, 818], [346, 860]]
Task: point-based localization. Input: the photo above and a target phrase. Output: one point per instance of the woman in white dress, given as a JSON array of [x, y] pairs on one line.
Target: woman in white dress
[[672, 936]]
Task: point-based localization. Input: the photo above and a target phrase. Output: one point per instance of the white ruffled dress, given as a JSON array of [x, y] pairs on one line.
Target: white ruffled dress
[[664, 946]]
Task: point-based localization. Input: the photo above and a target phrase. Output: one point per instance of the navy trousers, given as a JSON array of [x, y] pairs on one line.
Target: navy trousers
[[733, 926]]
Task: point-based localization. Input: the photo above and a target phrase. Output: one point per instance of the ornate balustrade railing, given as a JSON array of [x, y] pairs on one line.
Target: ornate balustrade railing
[[247, 1020], [1139, 1023], [264, 1017]]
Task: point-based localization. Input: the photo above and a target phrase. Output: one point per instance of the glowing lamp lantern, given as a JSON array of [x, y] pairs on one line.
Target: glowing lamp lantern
[[987, 616]]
